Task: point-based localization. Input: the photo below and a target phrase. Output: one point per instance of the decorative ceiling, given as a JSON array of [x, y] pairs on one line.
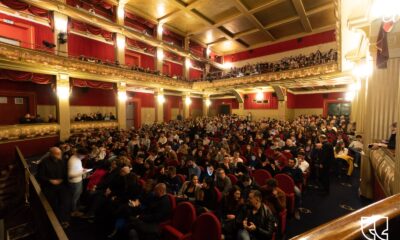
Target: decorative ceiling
[[229, 26]]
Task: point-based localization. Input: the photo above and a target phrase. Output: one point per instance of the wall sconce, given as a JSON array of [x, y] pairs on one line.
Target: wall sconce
[[259, 95], [208, 102], [122, 96], [160, 98], [63, 92], [227, 65], [160, 54], [188, 63], [349, 96], [121, 42], [188, 101]]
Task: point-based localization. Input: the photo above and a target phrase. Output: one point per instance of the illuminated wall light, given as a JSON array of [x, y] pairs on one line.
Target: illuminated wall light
[[227, 65], [349, 96], [160, 28], [161, 10], [388, 10], [60, 23], [208, 102], [160, 98], [188, 101], [260, 96], [122, 96], [121, 12], [208, 50], [121, 42], [160, 54], [188, 63], [63, 92]]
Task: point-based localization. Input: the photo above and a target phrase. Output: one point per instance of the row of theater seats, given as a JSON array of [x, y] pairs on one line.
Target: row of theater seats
[[185, 224]]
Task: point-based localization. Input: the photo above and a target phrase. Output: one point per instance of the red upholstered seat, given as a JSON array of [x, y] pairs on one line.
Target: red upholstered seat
[[286, 183], [174, 163], [288, 155], [206, 227], [260, 176], [219, 195], [282, 220], [141, 182], [233, 178], [172, 200], [181, 222], [181, 177]]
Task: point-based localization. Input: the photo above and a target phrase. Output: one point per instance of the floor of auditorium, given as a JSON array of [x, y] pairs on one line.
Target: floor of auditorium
[[342, 200]]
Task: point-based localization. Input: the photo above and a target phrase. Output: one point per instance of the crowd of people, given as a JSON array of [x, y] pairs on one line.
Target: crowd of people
[[124, 178], [287, 63], [94, 117], [30, 118]]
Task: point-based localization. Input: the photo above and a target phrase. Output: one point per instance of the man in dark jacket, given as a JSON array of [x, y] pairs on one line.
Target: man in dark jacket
[[52, 175], [258, 222], [146, 225], [327, 157]]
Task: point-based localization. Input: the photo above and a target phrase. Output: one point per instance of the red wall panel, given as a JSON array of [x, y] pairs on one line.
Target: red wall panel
[[146, 99], [197, 103], [291, 100], [147, 61], [92, 97], [314, 100], [175, 69], [135, 58], [215, 103], [272, 101], [195, 74], [78, 45], [29, 148], [306, 41], [175, 101], [40, 32], [44, 93]]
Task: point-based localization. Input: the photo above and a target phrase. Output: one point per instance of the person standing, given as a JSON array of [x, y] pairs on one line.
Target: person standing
[[52, 175], [327, 157], [75, 177]]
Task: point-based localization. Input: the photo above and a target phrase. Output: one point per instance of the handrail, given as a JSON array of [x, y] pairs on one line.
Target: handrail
[[349, 226], [31, 180]]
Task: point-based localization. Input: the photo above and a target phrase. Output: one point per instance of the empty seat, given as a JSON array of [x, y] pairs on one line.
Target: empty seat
[[261, 176], [206, 227], [286, 183], [181, 223]]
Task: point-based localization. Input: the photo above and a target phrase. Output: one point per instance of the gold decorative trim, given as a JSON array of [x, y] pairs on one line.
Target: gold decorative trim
[[37, 61], [77, 127], [22, 131], [269, 78]]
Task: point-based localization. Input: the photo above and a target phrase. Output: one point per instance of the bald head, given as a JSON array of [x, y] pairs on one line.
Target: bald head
[[56, 153], [160, 189]]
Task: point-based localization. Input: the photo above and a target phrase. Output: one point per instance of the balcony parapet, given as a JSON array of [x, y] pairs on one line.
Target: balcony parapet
[[18, 58], [27, 131], [77, 127]]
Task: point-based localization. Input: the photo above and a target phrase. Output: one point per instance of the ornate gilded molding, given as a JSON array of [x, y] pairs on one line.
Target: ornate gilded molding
[[22, 131], [269, 78], [17, 58], [77, 127]]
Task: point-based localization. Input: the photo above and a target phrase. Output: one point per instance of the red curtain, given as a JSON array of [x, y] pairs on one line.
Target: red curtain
[[99, 6], [83, 46], [83, 27], [92, 84], [141, 45], [26, 77], [22, 6]]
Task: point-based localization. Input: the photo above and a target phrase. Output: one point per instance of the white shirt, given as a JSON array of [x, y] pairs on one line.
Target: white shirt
[[304, 165], [75, 169]]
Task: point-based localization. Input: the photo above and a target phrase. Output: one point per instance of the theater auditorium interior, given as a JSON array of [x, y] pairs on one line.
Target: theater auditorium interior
[[199, 119]]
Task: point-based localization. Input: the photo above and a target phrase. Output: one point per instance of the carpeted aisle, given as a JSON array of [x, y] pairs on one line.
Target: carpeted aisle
[[343, 199]]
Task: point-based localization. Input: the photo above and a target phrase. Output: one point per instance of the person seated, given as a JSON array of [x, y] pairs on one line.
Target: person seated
[[51, 119], [147, 224], [302, 163], [26, 119], [390, 143], [173, 182], [232, 204], [207, 196], [256, 222], [192, 168], [79, 118], [38, 119], [273, 196], [223, 182], [190, 190], [112, 116], [341, 152], [208, 173], [357, 146], [246, 185], [106, 117]]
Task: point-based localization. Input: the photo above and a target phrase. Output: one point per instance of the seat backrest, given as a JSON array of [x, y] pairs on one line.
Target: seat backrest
[[181, 177], [184, 217], [233, 178], [288, 155], [207, 226], [285, 182], [261, 176], [172, 200], [218, 194]]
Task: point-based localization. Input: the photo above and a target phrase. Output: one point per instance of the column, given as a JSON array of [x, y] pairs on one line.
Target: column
[[187, 64], [206, 71], [159, 51], [120, 16], [360, 106], [241, 109], [159, 101], [120, 48], [186, 105], [60, 33], [282, 109], [64, 118], [206, 105], [121, 105]]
